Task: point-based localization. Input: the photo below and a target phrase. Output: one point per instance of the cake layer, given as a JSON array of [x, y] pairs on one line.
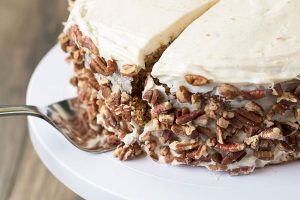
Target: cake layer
[[238, 42], [129, 30]]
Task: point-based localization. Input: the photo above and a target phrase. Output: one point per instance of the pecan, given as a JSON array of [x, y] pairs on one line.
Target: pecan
[[198, 153], [105, 91], [151, 145], [94, 83], [167, 118], [254, 94], [233, 157], [202, 120], [289, 128], [231, 147], [264, 155], [219, 133], [288, 97], [64, 41], [228, 91], [222, 122], [284, 146], [241, 171], [254, 107], [277, 90], [196, 80], [182, 111], [228, 115], [216, 157], [163, 107], [124, 153], [211, 142], [272, 134], [87, 44], [183, 129], [166, 136], [184, 146], [99, 65], [152, 96], [183, 95], [129, 70], [297, 90], [124, 97], [248, 117], [204, 131], [196, 102], [145, 137], [187, 118], [252, 141]]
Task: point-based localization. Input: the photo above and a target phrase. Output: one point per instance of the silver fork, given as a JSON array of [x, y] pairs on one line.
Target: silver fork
[[67, 117]]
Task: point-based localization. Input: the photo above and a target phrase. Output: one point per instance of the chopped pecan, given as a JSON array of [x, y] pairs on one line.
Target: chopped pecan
[[196, 102], [182, 111], [264, 155], [241, 170], [183, 95], [272, 134], [163, 107], [94, 83], [105, 91], [228, 115], [252, 141], [233, 157], [198, 153], [228, 91], [254, 94], [219, 133], [248, 117], [167, 118], [254, 107], [289, 128], [124, 97], [211, 142], [99, 65], [297, 90], [184, 146], [129, 70], [288, 97], [196, 80], [182, 129], [222, 122], [216, 157], [166, 136], [152, 96], [231, 147], [284, 146], [202, 120], [277, 90], [187, 118], [204, 131]]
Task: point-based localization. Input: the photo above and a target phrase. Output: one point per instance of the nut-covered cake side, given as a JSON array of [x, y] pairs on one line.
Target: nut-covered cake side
[[226, 129], [228, 89], [120, 112], [112, 58]]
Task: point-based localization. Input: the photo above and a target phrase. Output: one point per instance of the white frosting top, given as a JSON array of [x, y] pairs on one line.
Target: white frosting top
[[236, 41], [128, 30]]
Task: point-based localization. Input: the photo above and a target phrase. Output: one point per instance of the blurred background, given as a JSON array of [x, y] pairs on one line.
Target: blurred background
[[28, 29]]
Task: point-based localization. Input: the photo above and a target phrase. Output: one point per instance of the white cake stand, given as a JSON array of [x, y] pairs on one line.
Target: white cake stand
[[104, 177]]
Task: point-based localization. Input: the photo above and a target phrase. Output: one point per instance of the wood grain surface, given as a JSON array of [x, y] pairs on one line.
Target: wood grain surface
[[27, 30]]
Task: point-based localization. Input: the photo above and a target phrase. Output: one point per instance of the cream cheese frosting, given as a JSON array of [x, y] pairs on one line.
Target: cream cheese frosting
[[238, 42], [128, 30]]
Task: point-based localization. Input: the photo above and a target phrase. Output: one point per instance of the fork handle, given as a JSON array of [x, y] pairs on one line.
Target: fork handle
[[20, 110]]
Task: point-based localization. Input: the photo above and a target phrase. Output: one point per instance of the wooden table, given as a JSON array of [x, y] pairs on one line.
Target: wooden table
[[28, 29]]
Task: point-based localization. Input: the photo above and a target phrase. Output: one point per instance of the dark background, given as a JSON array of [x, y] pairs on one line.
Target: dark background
[[28, 29]]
